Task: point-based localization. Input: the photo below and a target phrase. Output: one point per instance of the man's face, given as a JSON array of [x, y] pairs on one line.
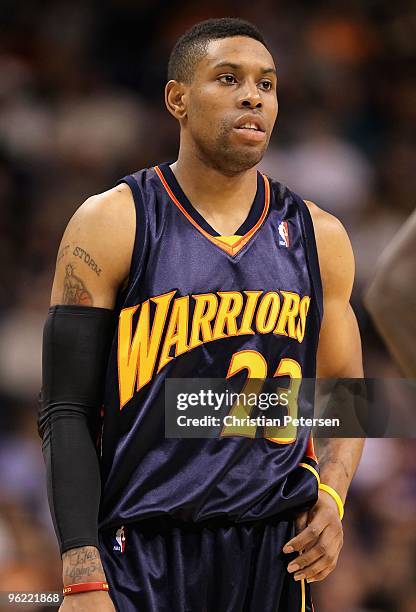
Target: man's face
[[231, 104]]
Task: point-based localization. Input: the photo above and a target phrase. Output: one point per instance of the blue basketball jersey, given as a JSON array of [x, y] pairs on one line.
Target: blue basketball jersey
[[202, 305]]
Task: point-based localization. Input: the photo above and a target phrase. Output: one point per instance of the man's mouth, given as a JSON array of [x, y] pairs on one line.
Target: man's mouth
[[250, 121], [249, 126], [251, 129]]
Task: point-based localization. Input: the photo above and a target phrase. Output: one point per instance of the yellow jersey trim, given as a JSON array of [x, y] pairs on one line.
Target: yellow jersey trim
[[230, 240]]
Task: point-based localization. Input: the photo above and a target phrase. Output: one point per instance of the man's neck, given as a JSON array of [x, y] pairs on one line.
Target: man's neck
[[224, 201]]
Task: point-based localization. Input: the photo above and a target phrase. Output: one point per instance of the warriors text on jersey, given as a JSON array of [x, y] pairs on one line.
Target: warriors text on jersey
[[201, 305]]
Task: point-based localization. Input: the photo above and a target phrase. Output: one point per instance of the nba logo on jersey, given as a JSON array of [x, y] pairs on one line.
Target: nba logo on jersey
[[120, 539], [283, 234]]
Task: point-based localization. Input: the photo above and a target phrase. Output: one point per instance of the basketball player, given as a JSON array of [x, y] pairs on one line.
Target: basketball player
[[199, 268]]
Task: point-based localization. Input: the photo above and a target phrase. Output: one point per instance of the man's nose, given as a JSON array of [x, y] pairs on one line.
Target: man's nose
[[251, 97]]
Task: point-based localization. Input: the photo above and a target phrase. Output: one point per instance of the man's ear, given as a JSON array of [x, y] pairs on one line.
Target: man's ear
[[175, 99]]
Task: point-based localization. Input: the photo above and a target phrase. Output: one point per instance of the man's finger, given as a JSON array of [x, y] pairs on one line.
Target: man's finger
[[319, 566], [320, 576], [327, 544], [306, 558], [308, 536]]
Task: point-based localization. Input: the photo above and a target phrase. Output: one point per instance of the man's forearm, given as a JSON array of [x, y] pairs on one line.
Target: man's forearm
[[82, 564], [338, 459], [75, 350]]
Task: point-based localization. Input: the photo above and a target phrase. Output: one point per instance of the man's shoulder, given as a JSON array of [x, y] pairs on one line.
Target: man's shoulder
[[106, 222], [113, 211], [329, 231], [114, 205], [336, 258], [328, 228]]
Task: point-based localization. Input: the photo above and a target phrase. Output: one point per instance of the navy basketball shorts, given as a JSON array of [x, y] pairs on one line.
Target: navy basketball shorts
[[162, 565]]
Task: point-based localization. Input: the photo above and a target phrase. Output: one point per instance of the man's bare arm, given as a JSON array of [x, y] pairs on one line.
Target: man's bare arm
[[339, 356], [391, 298], [95, 252], [339, 350]]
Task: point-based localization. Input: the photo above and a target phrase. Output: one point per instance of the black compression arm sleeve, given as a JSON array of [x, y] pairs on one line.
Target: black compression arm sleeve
[[76, 340]]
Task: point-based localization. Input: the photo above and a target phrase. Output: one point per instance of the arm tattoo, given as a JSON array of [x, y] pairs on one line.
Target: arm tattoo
[[62, 252], [82, 563], [86, 258], [75, 291], [327, 454]]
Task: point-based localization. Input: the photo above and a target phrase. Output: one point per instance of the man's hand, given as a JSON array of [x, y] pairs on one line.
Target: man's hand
[[88, 602], [319, 541]]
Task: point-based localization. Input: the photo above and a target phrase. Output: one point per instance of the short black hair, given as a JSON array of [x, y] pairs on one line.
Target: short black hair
[[192, 46]]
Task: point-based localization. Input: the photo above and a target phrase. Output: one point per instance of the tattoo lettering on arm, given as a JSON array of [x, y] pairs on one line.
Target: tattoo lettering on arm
[[86, 258], [82, 565], [62, 253], [75, 291]]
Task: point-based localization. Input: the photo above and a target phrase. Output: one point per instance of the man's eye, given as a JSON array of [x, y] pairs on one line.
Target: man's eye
[[228, 79], [267, 85]]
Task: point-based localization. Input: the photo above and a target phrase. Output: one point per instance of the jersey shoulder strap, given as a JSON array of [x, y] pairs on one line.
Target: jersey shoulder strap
[[311, 251], [285, 200], [137, 183]]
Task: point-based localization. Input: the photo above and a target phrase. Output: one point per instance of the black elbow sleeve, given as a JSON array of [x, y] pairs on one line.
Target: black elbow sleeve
[[76, 342]]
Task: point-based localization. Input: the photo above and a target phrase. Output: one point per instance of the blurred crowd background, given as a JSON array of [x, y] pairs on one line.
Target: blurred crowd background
[[81, 104]]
